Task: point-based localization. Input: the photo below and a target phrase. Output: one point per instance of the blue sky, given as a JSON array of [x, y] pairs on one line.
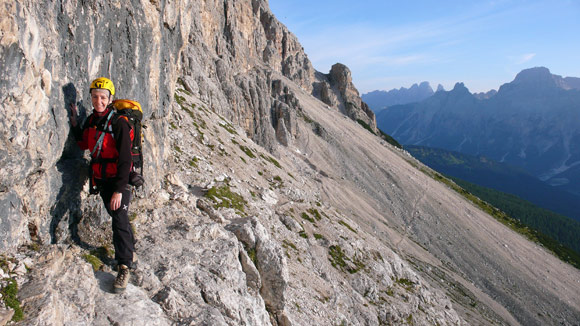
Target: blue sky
[[390, 44]]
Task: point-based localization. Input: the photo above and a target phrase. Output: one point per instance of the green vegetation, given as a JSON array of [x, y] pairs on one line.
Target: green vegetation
[[253, 255], [179, 99], [94, 261], [383, 135], [307, 217], [390, 139], [318, 236], [366, 126], [555, 232], [338, 260], [228, 127], [193, 162], [247, 151], [271, 160], [303, 234], [181, 83], [516, 208], [406, 283], [34, 246], [276, 182], [177, 149], [10, 297], [341, 222], [224, 197], [315, 213], [288, 244]]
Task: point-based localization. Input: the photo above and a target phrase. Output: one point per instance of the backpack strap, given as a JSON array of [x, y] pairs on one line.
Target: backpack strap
[[99, 144]]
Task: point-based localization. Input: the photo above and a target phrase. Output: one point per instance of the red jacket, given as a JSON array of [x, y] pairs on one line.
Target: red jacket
[[114, 162]]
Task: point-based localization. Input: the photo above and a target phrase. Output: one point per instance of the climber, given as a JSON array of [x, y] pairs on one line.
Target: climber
[[108, 137]]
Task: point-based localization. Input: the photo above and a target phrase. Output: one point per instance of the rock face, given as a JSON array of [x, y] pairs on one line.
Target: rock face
[[262, 206], [337, 90]]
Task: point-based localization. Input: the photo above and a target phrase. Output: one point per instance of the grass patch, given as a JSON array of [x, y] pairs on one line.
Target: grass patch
[[390, 139], [94, 261], [10, 297], [339, 260], [341, 222], [303, 234], [271, 160], [224, 197], [181, 83], [247, 151], [307, 217], [253, 255], [228, 127], [177, 149], [277, 182], [193, 162], [406, 283], [318, 236], [179, 99], [288, 244], [366, 126], [315, 213]]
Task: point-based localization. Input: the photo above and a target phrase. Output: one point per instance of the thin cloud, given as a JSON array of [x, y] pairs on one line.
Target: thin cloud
[[524, 58], [364, 44]]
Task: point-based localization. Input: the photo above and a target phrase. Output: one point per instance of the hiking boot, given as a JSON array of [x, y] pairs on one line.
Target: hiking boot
[[122, 279]]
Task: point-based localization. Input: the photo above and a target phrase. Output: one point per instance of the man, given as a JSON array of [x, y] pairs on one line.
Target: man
[[109, 137]]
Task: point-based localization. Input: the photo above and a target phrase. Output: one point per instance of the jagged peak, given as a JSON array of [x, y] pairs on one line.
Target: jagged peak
[[533, 73], [460, 88]]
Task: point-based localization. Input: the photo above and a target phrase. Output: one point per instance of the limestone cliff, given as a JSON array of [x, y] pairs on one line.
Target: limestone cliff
[[263, 205], [337, 90]]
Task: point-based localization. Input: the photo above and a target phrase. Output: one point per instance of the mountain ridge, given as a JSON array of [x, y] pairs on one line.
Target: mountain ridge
[[534, 113], [378, 100]]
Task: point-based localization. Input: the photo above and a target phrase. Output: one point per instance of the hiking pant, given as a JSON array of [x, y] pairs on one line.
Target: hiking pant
[[123, 238]]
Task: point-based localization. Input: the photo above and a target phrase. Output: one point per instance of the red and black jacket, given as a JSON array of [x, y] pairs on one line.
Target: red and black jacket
[[113, 162]]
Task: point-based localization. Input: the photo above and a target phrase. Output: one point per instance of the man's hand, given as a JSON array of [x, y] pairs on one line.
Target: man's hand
[[116, 201], [74, 114]]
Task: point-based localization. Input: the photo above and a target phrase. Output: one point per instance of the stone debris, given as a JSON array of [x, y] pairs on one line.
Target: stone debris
[[298, 230]]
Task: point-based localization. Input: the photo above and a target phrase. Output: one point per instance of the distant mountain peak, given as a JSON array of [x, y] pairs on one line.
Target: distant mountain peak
[[534, 74], [543, 78], [460, 88], [378, 100]]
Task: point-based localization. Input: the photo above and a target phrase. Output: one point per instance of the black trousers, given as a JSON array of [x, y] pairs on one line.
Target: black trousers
[[123, 238]]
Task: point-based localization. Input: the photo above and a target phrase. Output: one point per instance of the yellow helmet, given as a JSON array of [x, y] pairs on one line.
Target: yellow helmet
[[103, 83]]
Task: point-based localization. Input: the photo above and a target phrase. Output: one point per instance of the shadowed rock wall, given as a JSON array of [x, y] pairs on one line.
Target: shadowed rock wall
[[224, 51]]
